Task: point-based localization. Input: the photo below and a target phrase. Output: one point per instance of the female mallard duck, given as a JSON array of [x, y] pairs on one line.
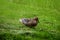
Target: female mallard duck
[[30, 22]]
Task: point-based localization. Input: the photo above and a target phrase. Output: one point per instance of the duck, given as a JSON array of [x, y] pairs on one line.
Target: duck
[[30, 22]]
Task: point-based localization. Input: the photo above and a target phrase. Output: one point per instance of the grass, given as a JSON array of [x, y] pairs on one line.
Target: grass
[[48, 12]]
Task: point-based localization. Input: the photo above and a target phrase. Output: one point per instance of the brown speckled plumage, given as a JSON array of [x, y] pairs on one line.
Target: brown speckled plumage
[[30, 22]]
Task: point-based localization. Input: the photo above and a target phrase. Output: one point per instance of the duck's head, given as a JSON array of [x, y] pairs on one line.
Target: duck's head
[[36, 18]]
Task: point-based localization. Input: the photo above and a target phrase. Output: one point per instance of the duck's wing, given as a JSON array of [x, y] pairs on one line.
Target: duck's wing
[[24, 20]]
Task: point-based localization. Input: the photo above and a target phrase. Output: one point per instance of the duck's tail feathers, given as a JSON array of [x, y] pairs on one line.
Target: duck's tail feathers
[[20, 20]]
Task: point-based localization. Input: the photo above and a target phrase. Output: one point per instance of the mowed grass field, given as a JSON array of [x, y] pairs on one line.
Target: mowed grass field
[[48, 12]]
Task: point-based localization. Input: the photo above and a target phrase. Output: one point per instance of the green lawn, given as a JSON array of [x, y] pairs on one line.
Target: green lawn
[[48, 12]]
